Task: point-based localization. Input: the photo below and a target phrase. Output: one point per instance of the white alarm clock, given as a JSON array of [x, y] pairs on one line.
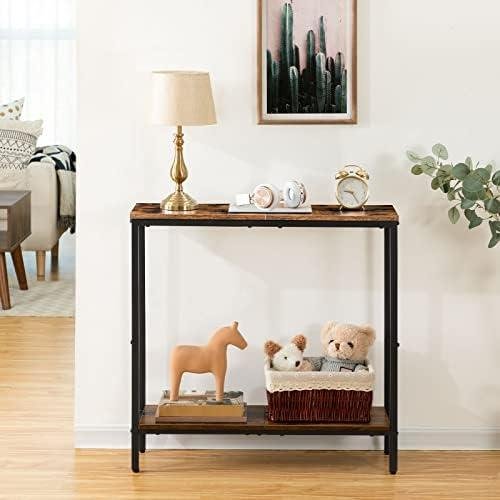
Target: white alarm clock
[[352, 187]]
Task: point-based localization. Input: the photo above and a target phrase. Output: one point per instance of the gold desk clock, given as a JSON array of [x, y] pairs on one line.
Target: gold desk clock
[[352, 188]]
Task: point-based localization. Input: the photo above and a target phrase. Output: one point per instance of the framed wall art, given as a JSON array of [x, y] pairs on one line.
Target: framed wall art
[[307, 57]]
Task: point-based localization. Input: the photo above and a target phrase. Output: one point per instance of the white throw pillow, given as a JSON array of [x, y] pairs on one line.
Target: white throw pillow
[[18, 143], [12, 110]]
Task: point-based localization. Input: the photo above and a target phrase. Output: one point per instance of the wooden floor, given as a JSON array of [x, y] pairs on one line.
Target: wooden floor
[[37, 459]]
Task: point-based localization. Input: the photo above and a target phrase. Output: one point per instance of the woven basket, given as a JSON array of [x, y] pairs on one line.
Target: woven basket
[[329, 397]]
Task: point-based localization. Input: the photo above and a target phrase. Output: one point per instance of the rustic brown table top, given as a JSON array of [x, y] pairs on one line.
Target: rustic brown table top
[[217, 215]]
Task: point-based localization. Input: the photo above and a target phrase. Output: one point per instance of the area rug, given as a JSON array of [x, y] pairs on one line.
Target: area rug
[[43, 298]]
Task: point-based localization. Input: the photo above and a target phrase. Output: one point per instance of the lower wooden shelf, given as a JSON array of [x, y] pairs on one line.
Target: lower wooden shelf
[[258, 424]]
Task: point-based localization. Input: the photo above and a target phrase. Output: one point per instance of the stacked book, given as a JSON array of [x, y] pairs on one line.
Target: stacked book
[[202, 407]]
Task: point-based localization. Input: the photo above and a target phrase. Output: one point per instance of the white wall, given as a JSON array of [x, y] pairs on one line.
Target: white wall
[[427, 72]]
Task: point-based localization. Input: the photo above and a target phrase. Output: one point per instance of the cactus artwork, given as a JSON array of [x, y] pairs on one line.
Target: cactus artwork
[[311, 49], [321, 81], [296, 58], [328, 77], [275, 86], [343, 86], [322, 35], [339, 66], [294, 89], [307, 72], [337, 98], [287, 50]]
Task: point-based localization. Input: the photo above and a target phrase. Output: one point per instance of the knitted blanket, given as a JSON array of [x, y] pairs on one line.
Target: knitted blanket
[[64, 161]]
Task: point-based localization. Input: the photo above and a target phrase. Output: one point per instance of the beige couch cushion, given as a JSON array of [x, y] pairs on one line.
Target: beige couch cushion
[[13, 180]]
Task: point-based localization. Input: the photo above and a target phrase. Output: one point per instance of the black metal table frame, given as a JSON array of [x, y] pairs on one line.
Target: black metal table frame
[[391, 344]]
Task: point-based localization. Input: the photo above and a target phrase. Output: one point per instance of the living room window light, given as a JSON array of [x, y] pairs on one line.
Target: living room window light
[[38, 62]]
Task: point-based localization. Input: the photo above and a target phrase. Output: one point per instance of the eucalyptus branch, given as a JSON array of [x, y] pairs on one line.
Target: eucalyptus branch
[[473, 186]]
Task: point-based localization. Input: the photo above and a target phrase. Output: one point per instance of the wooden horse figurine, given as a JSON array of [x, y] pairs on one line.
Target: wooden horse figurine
[[209, 358]]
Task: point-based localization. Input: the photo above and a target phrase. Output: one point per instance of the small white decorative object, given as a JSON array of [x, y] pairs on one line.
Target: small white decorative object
[[268, 198], [352, 188]]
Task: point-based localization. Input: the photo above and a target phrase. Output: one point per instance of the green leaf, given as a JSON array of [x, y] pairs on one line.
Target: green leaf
[[468, 162], [447, 169], [473, 218], [470, 195], [428, 170], [473, 182], [466, 204], [414, 157], [482, 194], [495, 228], [470, 214], [489, 169], [494, 241], [483, 174], [435, 184], [460, 171], [440, 151], [429, 161], [475, 223], [452, 195], [492, 205], [453, 215], [417, 170], [496, 178], [444, 179]]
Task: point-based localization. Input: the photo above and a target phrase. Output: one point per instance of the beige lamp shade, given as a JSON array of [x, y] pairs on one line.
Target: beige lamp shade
[[182, 98]]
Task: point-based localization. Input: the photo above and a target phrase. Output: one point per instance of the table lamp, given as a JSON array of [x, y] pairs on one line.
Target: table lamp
[[181, 98]]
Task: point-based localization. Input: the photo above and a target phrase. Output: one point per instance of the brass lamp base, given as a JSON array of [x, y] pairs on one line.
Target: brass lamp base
[[178, 202]]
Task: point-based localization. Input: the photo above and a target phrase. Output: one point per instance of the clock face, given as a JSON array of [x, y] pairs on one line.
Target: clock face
[[352, 192]]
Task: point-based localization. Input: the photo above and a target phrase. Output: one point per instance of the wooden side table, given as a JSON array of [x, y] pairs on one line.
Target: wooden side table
[[15, 227]]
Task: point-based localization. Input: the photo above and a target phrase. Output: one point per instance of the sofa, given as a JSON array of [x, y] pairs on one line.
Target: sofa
[[46, 229], [48, 172]]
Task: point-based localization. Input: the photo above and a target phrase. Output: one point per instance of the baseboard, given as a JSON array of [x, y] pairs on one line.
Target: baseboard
[[118, 437]]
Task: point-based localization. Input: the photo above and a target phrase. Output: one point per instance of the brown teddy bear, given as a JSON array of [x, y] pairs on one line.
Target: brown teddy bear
[[287, 358], [346, 348]]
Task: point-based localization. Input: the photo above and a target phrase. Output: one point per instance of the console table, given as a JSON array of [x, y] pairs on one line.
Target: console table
[[384, 421]]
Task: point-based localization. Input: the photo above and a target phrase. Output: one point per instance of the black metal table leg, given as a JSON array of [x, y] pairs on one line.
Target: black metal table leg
[[135, 352], [138, 342], [142, 327], [387, 330], [392, 240]]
